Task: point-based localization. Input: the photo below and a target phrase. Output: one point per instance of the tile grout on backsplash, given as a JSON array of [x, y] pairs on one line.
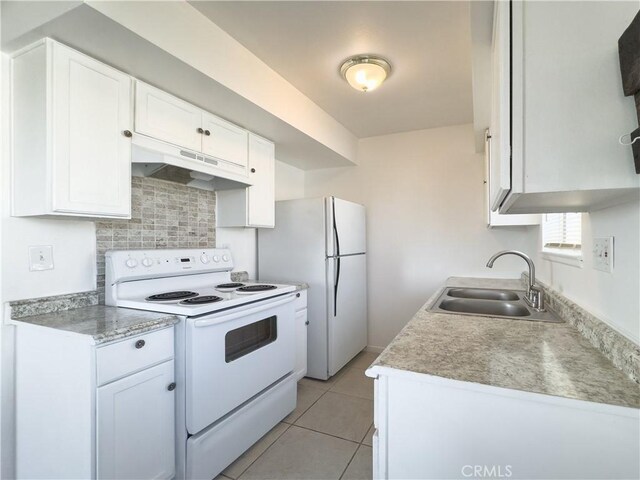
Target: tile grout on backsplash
[[163, 215]]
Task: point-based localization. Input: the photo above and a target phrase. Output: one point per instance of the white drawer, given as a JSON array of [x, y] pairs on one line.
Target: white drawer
[[132, 354], [301, 300]]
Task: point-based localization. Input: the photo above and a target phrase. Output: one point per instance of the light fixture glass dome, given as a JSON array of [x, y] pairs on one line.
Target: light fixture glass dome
[[365, 72]]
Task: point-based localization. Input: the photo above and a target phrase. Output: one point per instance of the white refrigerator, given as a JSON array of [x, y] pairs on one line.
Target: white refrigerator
[[322, 241]]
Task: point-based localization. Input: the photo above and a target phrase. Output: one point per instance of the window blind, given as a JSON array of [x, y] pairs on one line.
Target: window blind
[[562, 230]]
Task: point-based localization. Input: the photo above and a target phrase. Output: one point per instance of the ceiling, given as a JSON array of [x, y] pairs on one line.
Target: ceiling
[[428, 44]]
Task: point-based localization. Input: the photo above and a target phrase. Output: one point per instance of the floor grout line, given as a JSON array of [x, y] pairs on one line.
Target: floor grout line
[[293, 424], [327, 434], [265, 450], [349, 463]]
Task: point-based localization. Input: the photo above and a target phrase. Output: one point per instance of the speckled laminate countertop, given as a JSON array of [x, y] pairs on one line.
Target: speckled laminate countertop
[[104, 324], [547, 358]]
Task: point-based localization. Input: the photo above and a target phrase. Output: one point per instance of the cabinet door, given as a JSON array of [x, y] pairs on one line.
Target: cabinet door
[[165, 117], [261, 195], [224, 140], [301, 344], [500, 179], [136, 430], [495, 219], [91, 157]]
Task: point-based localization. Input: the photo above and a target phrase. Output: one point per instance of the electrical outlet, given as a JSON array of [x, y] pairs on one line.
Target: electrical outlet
[[41, 258], [603, 254]]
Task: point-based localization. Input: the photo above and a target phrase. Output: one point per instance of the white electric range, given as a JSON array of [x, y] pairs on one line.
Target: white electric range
[[235, 348]]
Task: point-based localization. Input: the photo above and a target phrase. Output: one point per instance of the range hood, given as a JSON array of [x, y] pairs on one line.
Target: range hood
[[151, 157]]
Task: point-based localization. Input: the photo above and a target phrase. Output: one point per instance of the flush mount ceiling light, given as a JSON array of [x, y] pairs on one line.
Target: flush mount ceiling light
[[365, 72]]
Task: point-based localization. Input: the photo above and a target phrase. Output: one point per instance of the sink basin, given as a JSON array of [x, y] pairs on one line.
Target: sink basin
[[483, 293], [487, 302], [485, 307]]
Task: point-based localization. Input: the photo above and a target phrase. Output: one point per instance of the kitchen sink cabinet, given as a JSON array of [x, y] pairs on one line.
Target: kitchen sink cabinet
[[432, 427], [253, 206], [71, 122], [558, 108], [94, 411]]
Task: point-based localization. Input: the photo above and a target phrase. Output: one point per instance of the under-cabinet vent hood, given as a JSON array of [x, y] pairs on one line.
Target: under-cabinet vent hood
[[154, 158]]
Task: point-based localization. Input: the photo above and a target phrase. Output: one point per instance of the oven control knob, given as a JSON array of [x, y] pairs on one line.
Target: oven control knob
[[204, 258], [216, 258], [225, 258], [131, 263], [147, 262]]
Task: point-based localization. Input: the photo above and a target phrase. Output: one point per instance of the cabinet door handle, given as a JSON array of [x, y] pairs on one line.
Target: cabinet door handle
[[200, 130], [297, 295], [307, 322], [207, 133], [172, 386], [140, 343], [127, 133], [253, 170]]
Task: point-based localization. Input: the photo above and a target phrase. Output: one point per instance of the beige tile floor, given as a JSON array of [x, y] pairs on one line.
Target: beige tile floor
[[327, 437]]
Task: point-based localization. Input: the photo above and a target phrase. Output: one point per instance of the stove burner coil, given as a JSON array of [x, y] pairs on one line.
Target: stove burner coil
[[230, 285], [256, 288], [201, 300], [168, 296]]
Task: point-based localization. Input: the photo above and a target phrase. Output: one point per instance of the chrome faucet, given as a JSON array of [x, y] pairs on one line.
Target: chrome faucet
[[535, 296]]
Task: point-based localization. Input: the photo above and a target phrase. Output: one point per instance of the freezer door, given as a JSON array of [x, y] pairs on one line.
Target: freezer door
[[347, 312], [346, 232]]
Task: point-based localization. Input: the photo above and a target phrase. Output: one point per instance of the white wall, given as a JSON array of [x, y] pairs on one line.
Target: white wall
[[425, 222], [612, 297], [243, 241]]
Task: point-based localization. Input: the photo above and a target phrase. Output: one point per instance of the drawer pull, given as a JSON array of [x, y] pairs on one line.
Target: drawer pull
[[140, 343], [172, 386], [307, 322], [297, 295]]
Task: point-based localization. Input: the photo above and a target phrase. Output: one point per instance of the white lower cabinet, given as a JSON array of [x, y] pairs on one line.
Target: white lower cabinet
[[91, 411], [136, 425], [433, 428], [301, 335]]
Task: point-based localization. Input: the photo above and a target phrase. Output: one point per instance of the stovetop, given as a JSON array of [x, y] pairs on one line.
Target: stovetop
[[177, 281]]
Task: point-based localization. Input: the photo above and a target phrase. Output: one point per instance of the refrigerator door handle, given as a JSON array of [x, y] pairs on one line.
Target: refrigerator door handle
[[335, 288], [335, 227]]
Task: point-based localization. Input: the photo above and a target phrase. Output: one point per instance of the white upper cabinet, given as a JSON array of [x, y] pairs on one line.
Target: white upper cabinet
[[556, 143], [164, 117], [224, 140], [71, 141], [167, 118], [261, 196], [253, 206], [493, 218]]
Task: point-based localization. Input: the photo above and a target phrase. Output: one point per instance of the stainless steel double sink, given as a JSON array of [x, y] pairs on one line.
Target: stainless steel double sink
[[488, 302]]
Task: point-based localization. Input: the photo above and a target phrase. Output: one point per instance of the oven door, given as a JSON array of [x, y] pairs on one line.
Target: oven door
[[232, 356]]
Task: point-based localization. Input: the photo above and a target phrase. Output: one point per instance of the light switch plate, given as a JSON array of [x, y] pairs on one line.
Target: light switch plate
[[603, 254], [40, 258]]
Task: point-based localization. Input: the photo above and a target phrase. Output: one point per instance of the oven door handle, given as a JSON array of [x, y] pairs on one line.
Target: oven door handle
[[215, 320]]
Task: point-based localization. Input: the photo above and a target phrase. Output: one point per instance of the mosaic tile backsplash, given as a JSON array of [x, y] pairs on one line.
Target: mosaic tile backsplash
[[163, 215]]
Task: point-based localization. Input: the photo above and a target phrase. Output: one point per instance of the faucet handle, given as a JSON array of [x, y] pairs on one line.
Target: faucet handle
[[536, 297]]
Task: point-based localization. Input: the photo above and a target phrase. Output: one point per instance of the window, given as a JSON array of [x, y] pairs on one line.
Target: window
[[562, 237]]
